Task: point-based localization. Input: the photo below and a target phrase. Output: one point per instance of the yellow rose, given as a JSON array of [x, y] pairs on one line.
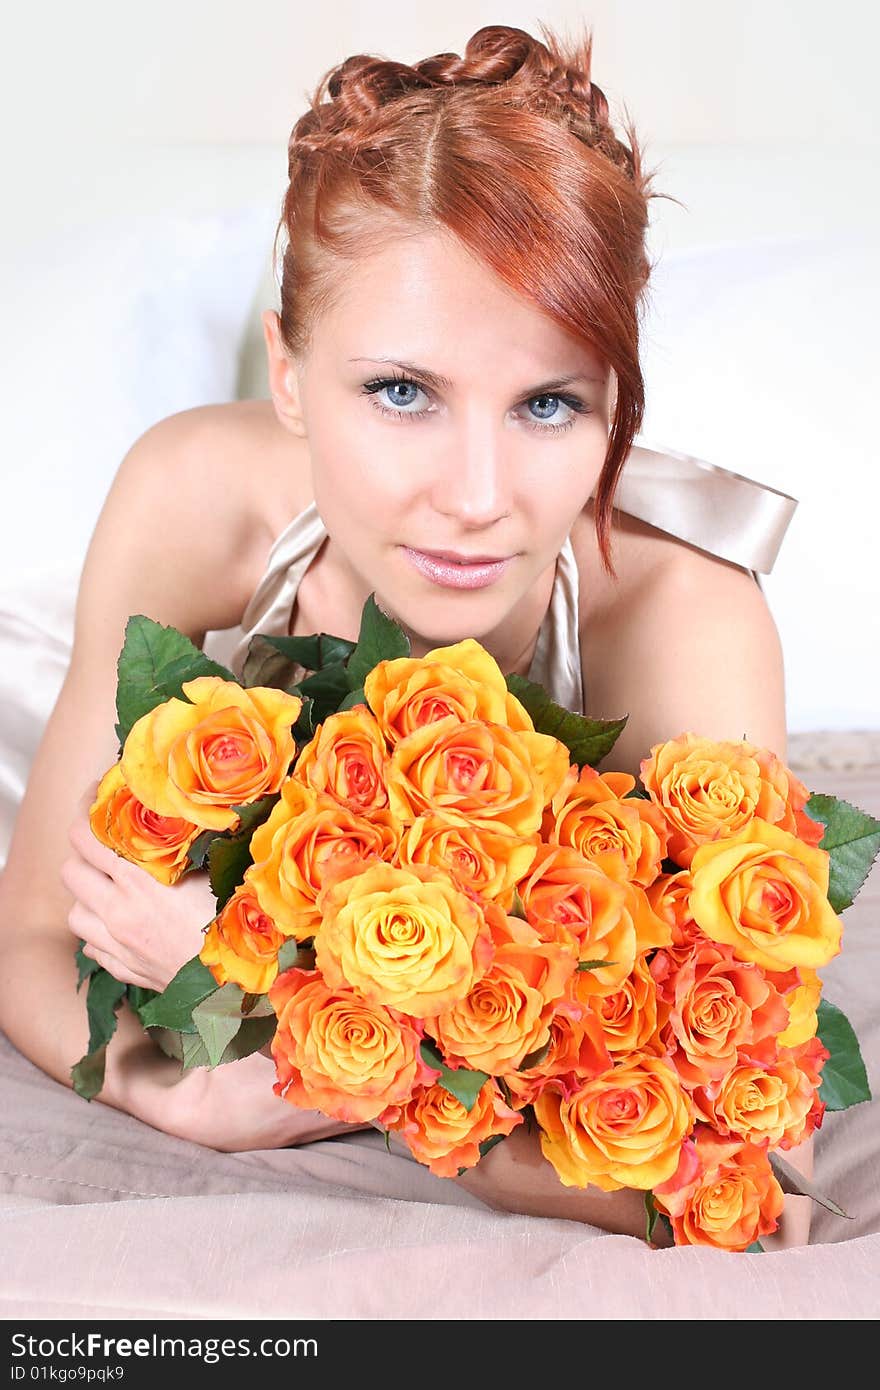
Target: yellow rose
[[222, 746], [346, 758], [156, 843], [482, 775], [765, 893], [335, 1053], [625, 1128], [242, 944], [405, 938], [709, 790], [462, 682], [307, 839]]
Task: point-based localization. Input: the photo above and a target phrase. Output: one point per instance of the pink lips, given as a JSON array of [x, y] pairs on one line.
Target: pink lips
[[451, 574]]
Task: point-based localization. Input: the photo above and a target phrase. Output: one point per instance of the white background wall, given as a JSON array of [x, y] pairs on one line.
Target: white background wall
[[763, 119]]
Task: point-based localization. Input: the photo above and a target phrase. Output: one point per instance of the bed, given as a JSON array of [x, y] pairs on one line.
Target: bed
[[345, 1228]]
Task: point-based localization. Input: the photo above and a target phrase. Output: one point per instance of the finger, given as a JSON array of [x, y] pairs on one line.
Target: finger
[[88, 926], [117, 968], [89, 885], [86, 842]]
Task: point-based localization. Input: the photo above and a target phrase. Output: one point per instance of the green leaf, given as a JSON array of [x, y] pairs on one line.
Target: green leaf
[[756, 1248], [652, 1216], [587, 740], [595, 964], [229, 854], [790, 1180], [465, 1085], [173, 1007], [253, 1034], [844, 1079], [519, 907], [326, 689], [152, 667], [256, 1006], [105, 994], [85, 966], [534, 1059], [198, 850], [138, 997], [354, 697], [852, 839], [87, 1074], [288, 956], [272, 660], [218, 1019], [380, 639]]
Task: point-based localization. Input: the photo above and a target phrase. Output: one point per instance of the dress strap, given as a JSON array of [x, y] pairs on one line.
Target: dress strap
[[710, 507]]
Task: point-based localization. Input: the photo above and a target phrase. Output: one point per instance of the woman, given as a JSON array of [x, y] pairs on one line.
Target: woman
[[455, 390]]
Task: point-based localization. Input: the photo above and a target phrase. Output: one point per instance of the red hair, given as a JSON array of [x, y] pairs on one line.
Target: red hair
[[510, 148]]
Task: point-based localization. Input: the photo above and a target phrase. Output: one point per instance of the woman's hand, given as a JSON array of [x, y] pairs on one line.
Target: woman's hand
[[232, 1107], [141, 930]]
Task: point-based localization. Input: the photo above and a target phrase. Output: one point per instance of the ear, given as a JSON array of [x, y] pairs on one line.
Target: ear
[[283, 381]]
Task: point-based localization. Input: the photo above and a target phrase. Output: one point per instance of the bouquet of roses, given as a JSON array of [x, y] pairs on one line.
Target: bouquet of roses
[[440, 918]]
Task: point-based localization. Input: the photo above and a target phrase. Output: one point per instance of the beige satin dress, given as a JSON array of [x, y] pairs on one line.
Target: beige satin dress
[[711, 508]]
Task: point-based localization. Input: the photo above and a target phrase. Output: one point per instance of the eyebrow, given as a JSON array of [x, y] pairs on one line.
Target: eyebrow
[[442, 383]]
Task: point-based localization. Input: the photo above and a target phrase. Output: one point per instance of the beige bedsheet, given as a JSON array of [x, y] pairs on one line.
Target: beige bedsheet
[[102, 1216]]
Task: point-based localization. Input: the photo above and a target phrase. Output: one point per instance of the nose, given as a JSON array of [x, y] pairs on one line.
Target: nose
[[474, 484]]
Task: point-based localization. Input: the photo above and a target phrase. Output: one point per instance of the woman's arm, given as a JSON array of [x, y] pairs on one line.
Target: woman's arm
[[156, 550]]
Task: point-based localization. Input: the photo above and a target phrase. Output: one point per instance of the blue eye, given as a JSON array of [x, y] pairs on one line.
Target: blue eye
[[403, 391]]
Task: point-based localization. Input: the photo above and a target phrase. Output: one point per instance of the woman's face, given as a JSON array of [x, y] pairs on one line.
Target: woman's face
[[439, 426]]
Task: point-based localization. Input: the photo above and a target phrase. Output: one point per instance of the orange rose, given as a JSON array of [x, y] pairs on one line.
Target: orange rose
[[405, 938], [242, 944], [730, 1202], [222, 746], [506, 1015], [766, 1101], [719, 1004], [624, 836], [346, 758], [156, 843], [629, 1015], [308, 839], [569, 898], [710, 790], [462, 682], [477, 774], [625, 929], [765, 893], [482, 861], [576, 1053], [335, 1053], [625, 1128], [669, 896], [441, 1133]]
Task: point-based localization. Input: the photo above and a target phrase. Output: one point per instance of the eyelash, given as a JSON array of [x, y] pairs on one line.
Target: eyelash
[[372, 387]]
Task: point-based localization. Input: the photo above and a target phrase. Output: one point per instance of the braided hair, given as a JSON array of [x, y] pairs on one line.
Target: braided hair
[[510, 148]]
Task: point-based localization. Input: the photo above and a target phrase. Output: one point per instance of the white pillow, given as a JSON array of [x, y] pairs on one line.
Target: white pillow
[[106, 331], [762, 357]]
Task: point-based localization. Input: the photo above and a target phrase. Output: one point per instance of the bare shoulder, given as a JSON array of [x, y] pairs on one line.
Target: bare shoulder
[[661, 643], [224, 479]]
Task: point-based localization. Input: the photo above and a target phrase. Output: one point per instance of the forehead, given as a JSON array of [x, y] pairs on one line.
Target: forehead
[[425, 298]]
